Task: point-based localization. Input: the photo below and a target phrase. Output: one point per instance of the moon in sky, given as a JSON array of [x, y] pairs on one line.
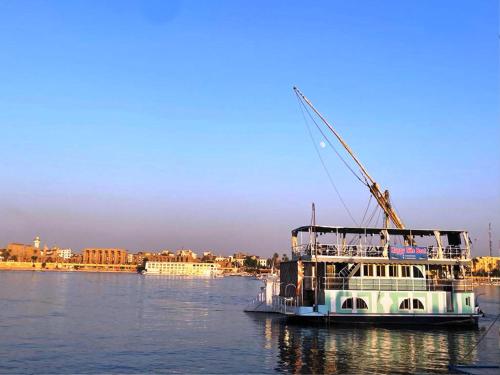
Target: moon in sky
[[322, 144]]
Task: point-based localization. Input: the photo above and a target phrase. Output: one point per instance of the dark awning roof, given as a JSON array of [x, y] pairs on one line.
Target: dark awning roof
[[361, 230]]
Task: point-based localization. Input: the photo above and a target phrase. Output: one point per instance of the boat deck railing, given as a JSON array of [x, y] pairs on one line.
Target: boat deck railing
[[396, 284], [362, 250], [285, 305]]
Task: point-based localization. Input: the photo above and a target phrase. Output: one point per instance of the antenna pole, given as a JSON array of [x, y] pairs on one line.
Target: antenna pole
[[491, 243], [315, 247]]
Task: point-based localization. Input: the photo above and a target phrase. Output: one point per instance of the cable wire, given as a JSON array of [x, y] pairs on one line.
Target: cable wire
[[328, 140], [366, 210], [326, 169], [481, 338]]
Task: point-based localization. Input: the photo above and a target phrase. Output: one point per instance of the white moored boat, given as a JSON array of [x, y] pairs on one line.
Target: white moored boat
[[193, 269], [374, 279], [373, 274]]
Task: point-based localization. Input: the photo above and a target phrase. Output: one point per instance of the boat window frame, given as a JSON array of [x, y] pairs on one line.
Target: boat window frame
[[370, 269], [346, 301], [379, 267], [419, 303], [364, 306], [394, 269], [406, 274], [354, 303], [415, 267], [403, 302]]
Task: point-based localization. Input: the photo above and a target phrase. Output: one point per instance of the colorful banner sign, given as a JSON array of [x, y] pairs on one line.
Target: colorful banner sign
[[407, 252]]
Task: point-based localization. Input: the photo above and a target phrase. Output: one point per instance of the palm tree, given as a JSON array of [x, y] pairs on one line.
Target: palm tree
[[5, 254]]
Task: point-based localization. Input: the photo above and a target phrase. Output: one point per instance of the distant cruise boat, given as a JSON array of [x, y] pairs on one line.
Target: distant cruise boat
[[182, 269], [373, 274]]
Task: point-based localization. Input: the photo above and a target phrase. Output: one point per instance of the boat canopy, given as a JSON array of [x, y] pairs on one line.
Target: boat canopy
[[363, 230]]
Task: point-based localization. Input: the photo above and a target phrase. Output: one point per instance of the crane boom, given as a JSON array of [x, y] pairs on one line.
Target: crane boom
[[381, 198]]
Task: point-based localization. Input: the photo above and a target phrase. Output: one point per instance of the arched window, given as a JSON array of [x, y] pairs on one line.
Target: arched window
[[361, 304], [347, 303], [405, 304], [408, 303], [417, 304], [417, 273], [357, 303]]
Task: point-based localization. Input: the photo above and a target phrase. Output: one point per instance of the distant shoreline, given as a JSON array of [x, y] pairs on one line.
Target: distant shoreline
[[80, 267], [67, 267]]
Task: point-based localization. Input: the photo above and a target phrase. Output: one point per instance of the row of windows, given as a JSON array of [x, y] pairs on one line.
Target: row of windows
[[390, 270], [407, 302], [179, 265], [360, 304]]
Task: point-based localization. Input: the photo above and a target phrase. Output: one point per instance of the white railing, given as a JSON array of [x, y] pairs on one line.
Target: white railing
[[334, 250], [396, 284], [362, 250], [261, 298], [284, 304]]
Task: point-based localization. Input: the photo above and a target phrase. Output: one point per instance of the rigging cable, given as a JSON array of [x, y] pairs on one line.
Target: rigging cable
[[329, 142], [372, 215], [378, 220], [366, 210], [480, 339], [325, 168]]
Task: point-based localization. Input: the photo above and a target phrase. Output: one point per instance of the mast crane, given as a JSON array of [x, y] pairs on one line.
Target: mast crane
[[382, 198]]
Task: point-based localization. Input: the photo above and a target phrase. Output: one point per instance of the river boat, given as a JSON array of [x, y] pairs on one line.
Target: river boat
[[373, 275], [189, 269]]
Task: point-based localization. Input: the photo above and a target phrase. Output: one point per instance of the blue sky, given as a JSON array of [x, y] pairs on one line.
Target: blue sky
[[152, 124]]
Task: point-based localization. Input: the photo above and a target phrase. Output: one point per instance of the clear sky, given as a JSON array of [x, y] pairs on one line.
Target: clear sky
[[168, 124]]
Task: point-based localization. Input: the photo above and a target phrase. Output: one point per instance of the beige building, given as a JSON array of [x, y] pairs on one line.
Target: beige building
[[104, 256], [22, 253], [485, 264]]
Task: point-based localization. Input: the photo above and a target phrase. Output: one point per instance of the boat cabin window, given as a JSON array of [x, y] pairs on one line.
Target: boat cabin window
[[417, 304], [381, 271], [360, 303], [405, 271], [393, 270], [405, 304], [347, 304], [367, 270], [330, 269], [417, 273], [467, 301]]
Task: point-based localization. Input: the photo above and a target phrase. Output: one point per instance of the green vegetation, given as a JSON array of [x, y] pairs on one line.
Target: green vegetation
[[250, 262], [5, 254]]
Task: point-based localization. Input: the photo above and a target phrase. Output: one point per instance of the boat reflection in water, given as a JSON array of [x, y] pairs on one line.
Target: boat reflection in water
[[323, 349]]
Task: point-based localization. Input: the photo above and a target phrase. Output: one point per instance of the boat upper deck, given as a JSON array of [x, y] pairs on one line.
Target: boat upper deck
[[381, 244]]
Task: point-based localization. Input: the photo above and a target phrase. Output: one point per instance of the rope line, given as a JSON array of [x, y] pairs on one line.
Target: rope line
[[366, 210], [325, 167], [372, 215], [328, 140], [480, 339]]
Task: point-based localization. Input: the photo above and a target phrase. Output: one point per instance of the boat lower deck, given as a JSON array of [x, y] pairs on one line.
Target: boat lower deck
[[470, 321]]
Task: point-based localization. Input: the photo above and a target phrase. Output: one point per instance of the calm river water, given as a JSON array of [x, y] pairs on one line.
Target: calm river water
[[125, 323]]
